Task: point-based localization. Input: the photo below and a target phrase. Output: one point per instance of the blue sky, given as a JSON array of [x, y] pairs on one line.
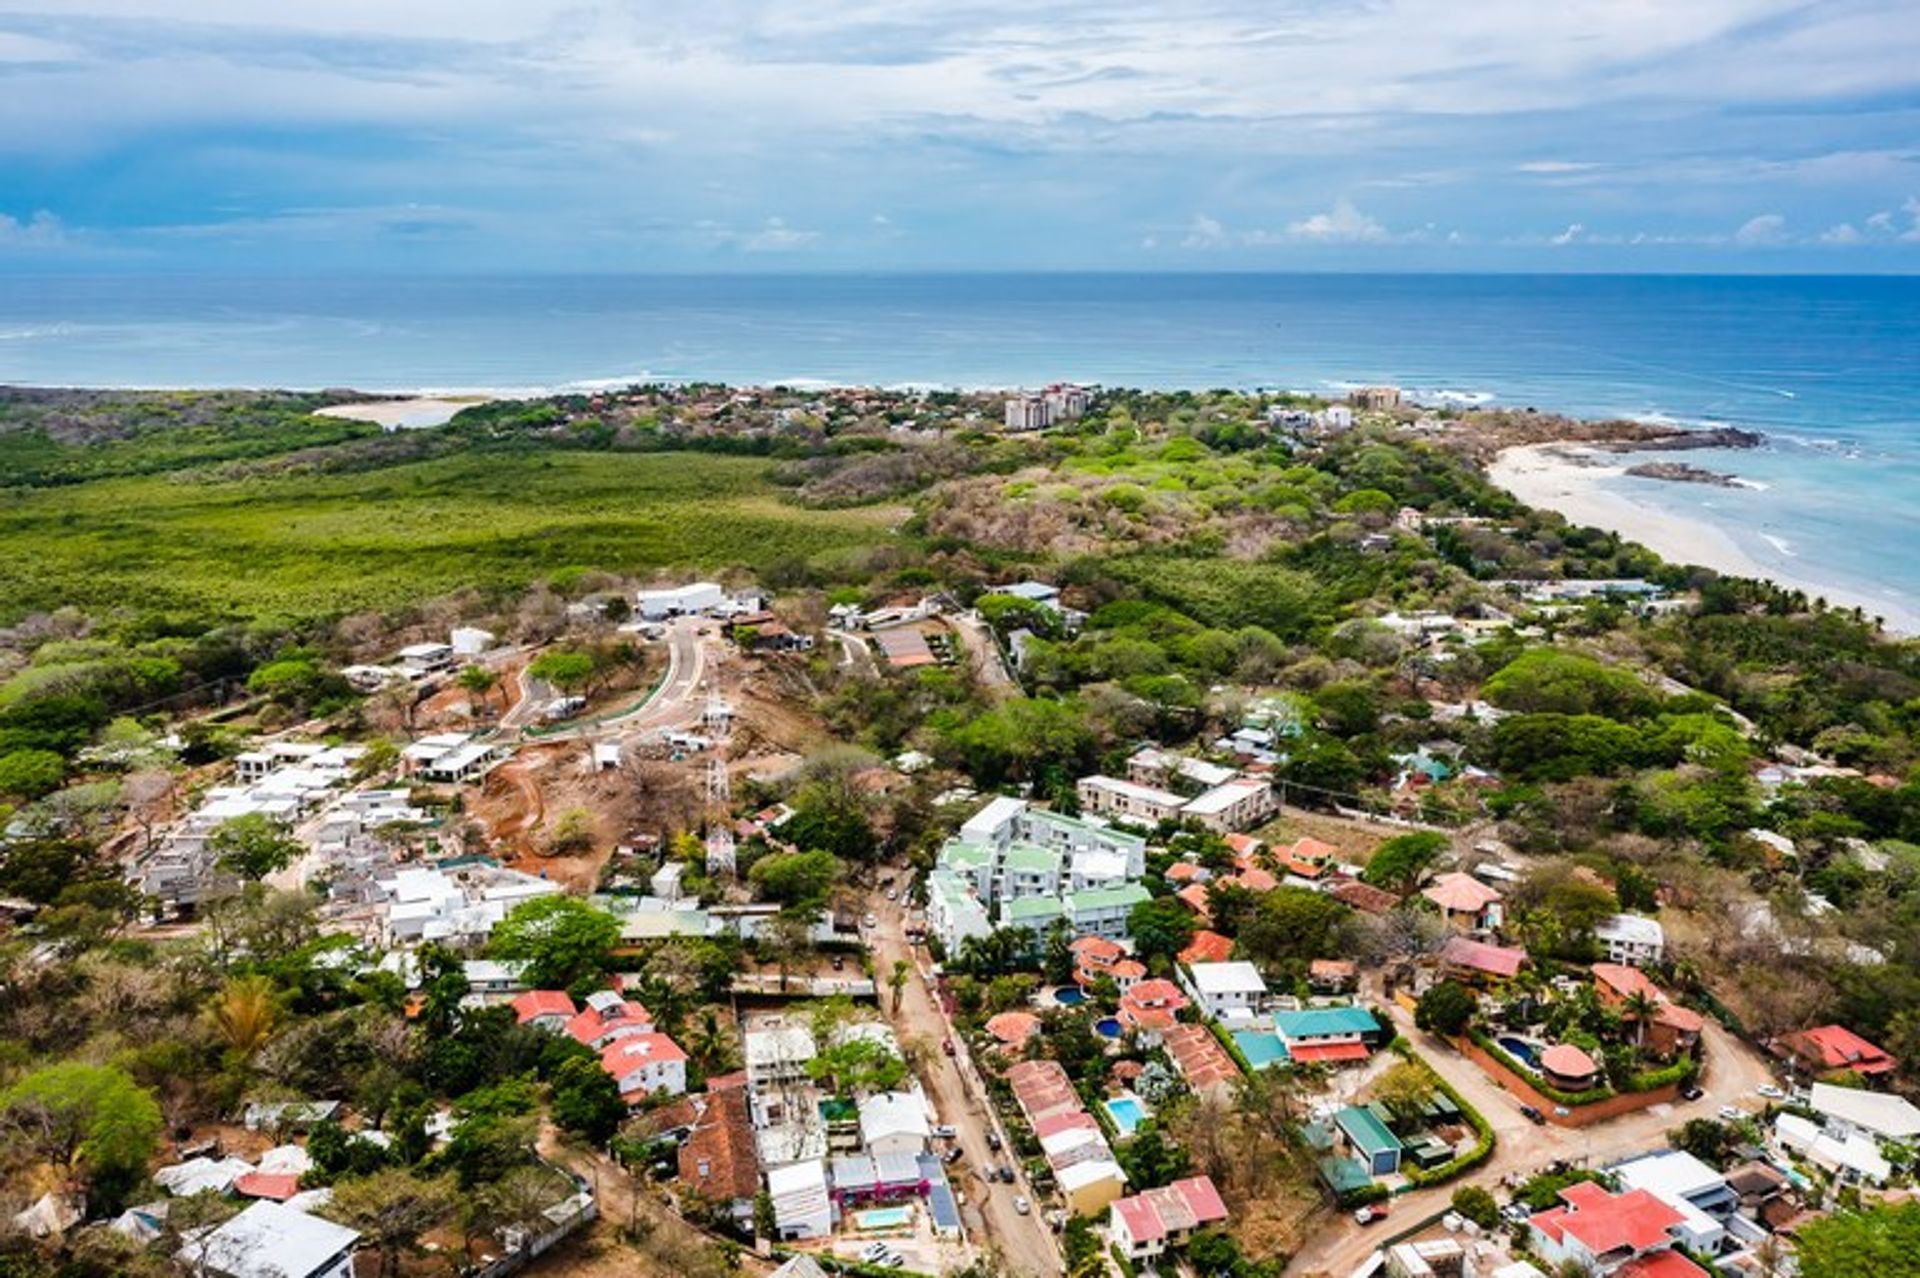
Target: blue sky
[[1649, 135]]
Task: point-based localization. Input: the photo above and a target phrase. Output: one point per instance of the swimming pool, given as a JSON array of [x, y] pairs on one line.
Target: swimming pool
[[1520, 1049], [1261, 1047], [1067, 996], [877, 1218], [1128, 1113], [1107, 1027]]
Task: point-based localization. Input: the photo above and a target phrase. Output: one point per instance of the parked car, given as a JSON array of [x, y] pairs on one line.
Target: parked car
[[1370, 1213], [946, 1045], [873, 1251], [894, 1260], [1534, 1116], [839, 962], [1732, 1114], [1771, 1092], [945, 1131], [1692, 1092], [871, 920], [1006, 1174], [955, 1154], [1021, 1205], [993, 1142], [892, 894]]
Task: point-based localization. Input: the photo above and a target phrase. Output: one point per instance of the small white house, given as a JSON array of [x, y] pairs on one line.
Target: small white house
[[269, 1240], [643, 1065], [894, 1123], [1632, 939], [1226, 991], [470, 641], [680, 601], [801, 1208], [425, 658]]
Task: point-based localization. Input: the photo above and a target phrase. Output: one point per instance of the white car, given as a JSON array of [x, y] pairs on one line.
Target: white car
[[873, 1251], [1021, 1205], [872, 920], [1733, 1114], [945, 1132], [1771, 1092]]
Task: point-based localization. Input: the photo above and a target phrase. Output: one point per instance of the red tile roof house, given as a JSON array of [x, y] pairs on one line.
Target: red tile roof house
[[1604, 1232], [1207, 947], [1149, 1224], [607, 1017], [549, 1010], [1674, 1028], [1151, 1008], [1197, 1054], [1832, 1048], [645, 1065], [1096, 956], [1478, 963], [718, 1160], [1364, 897], [1465, 902], [1194, 897]]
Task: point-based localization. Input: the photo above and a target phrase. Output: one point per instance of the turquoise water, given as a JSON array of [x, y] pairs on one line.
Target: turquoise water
[[1128, 1113], [1261, 1047], [877, 1218], [1827, 367], [1069, 997]]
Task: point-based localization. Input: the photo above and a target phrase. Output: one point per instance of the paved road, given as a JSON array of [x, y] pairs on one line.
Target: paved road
[[679, 701], [1734, 1070], [855, 654], [1024, 1243]]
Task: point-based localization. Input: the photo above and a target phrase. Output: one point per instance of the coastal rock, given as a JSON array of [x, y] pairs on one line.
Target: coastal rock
[[1675, 440], [1682, 473]]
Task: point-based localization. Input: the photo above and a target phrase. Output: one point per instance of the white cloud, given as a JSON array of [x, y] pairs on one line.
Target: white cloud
[[1844, 233], [1205, 233], [42, 230], [1569, 235], [1342, 224], [1555, 166], [1765, 231], [775, 236]]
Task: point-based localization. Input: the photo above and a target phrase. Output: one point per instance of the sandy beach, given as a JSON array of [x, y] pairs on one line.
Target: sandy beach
[[418, 413], [1576, 482]]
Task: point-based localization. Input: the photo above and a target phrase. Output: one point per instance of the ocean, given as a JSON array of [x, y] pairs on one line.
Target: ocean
[[1828, 368]]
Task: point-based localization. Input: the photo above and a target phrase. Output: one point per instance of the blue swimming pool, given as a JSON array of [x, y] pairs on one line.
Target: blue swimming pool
[[1520, 1049], [1107, 1027], [1069, 997], [1261, 1047], [1128, 1113], [880, 1218]]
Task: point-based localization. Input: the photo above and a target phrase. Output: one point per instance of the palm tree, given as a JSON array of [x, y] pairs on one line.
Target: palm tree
[[244, 1013], [1639, 1007], [897, 982], [711, 1044]]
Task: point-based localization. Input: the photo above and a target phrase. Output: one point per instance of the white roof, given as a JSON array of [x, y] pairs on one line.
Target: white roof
[[196, 1175], [778, 1044], [893, 1114], [1855, 1151], [1091, 1172], [984, 824], [1226, 978], [268, 1240], [1888, 1117], [1669, 1175], [1630, 927], [1141, 793], [425, 649], [1224, 796], [797, 1178]]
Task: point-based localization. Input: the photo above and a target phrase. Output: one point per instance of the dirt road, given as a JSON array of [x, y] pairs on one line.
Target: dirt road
[[1024, 1243], [1734, 1070], [985, 654]]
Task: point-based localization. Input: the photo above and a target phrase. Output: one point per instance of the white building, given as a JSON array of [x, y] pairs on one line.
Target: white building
[[1233, 806], [1104, 911], [1028, 412], [954, 910], [680, 601], [1877, 1114], [425, 658], [470, 641], [645, 1065], [1632, 939], [895, 1123], [451, 758], [1110, 796], [801, 1207], [1226, 991], [269, 1240]]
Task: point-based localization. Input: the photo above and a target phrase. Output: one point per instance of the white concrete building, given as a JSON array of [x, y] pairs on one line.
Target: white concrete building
[[680, 601], [1104, 911], [1233, 806], [470, 641], [1632, 939], [1226, 991], [426, 658], [801, 1206], [895, 1122], [1110, 796], [1877, 1114]]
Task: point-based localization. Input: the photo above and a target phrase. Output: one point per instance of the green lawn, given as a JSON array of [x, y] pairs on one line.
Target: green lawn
[[300, 546]]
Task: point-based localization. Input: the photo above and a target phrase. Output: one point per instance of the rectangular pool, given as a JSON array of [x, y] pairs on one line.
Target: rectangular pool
[[1261, 1047], [1128, 1113], [875, 1219]]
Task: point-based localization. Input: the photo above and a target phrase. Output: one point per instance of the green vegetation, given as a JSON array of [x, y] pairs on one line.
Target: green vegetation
[[1874, 1240]]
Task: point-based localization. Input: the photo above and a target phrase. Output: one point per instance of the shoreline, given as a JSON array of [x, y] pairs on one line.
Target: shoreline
[[1572, 478]]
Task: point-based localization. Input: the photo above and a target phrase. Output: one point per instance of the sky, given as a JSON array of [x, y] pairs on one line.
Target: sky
[[718, 135]]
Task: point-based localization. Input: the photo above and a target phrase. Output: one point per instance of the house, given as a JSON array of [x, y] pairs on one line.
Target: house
[[1632, 939], [1332, 976], [894, 1123], [1833, 1048], [270, 1240], [1479, 963], [802, 1207], [1235, 805], [549, 1010], [1012, 1031], [717, 1159], [1147, 1225], [470, 641], [905, 648], [1327, 1035], [607, 1017], [870, 1177], [644, 1065], [425, 658], [1152, 766], [1465, 902], [1151, 1007], [1568, 1068], [800, 1265], [1877, 1114], [1110, 796], [1702, 1196], [1197, 1054], [1095, 957], [1852, 1156], [1602, 1231], [1226, 991], [1673, 1028], [1207, 947], [1363, 897], [1370, 1140]]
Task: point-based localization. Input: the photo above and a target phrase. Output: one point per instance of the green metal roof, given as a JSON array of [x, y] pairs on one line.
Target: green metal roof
[[1027, 856], [1368, 1133], [1318, 1022], [1030, 909], [1343, 1175], [1106, 898], [956, 855]]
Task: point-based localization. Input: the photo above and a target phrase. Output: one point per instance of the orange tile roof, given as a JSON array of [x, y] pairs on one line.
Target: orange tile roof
[[1198, 1056], [1182, 872], [536, 1003], [1255, 880], [1195, 899], [718, 1157], [1458, 893], [1013, 1028], [1207, 947], [279, 1186]]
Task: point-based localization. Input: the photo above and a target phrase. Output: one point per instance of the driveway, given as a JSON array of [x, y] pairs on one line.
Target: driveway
[[1024, 1243], [985, 654], [1733, 1071]]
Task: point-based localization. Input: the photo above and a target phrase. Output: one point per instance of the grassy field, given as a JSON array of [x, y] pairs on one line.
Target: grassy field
[[301, 546]]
